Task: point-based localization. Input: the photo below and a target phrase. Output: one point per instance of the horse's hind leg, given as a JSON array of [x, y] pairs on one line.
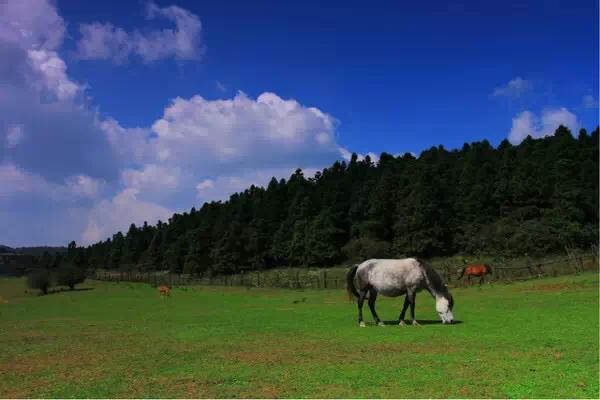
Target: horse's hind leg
[[361, 300], [372, 299]]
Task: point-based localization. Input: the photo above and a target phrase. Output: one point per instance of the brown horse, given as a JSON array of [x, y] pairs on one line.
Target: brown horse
[[480, 270], [164, 291]]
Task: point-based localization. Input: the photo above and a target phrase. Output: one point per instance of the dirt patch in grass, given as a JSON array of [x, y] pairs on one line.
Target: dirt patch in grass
[[59, 361], [194, 387], [263, 391], [411, 348], [63, 367], [257, 357], [290, 353], [175, 387]]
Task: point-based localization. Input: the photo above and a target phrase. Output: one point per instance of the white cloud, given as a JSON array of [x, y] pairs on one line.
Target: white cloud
[[590, 102], [15, 180], [212, 135], [14, 135], [130, 144], [109, 216], [83, 186], [53, 72], [347, 155], [153, 181], [527, 123], [205, 184], [32, 24], [513, 89], [104, 41]]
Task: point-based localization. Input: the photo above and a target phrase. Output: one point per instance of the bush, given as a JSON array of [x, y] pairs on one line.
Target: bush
[[39, 279], [69, 275]]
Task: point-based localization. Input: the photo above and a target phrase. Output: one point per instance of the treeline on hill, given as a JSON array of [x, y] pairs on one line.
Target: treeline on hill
[[534, 198]]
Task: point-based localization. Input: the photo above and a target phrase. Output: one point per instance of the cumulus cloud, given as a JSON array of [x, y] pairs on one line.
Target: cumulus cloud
[[155, 182], [53, 71], [14, 180], [513, 89], [216, 135], [104, 41], [527, 123], [131, 145], [84, 186], [32, 24], [109, 216]]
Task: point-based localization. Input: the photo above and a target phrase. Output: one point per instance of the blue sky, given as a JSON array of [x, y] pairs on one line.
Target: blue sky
[[129, 111]]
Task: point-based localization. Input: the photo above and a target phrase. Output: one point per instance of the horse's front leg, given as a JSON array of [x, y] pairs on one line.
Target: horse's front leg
[[404, 308], [412, 297], [372, 299], [361, 300]]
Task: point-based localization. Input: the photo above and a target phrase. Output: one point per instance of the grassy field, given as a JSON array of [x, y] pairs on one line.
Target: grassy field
[[528, 339]]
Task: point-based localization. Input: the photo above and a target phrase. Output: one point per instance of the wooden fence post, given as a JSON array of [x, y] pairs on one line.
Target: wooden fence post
[[325, 279]]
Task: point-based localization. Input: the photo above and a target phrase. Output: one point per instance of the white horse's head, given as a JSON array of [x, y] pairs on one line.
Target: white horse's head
[[443, 306]]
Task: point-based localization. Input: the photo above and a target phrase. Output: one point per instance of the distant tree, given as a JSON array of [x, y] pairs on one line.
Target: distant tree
[[69, 275], [116, 251], [39, 279]]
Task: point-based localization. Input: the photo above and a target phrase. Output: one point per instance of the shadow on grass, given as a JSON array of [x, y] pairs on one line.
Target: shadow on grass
[[423, 322], [61, 290]]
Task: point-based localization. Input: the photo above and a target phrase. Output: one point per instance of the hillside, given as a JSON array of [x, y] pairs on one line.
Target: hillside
[[534, 198], [40, 250]]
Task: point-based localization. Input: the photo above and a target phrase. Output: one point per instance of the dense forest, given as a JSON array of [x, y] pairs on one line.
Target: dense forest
[[534, 198]]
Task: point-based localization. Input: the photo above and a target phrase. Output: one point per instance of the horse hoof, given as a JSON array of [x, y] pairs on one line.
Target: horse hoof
[[402, 323], [415, 323], [380, 323], [362, 324]]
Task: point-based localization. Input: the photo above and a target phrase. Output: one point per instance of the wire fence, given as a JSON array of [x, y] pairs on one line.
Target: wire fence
[[334, 278]]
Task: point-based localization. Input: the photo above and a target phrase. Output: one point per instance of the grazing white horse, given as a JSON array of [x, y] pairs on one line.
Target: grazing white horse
[[394, 278]]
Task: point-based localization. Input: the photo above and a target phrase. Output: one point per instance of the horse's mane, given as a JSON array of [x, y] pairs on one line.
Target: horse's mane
[[433, 277]]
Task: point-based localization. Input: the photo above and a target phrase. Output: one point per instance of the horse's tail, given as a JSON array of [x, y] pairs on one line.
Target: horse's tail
[[350, 288], [462, 272]]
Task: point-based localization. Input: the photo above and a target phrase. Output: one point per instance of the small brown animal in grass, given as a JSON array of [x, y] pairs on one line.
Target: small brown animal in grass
[[164, 291]]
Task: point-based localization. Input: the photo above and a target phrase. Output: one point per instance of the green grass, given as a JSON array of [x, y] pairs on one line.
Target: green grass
[[528, 339]]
